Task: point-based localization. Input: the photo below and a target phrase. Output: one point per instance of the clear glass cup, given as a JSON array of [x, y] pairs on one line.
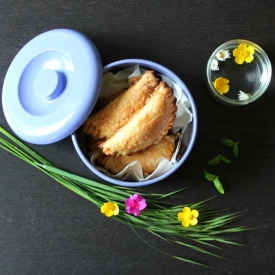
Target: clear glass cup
[[238, 72]]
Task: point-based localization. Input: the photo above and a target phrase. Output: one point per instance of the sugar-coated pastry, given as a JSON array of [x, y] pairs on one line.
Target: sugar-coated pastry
[[133, 80], [149, 158], [91, 144], [102, 102], [107, 121], [149, 125]]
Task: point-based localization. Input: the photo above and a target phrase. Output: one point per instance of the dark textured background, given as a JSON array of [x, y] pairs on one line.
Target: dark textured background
[[46, 229]]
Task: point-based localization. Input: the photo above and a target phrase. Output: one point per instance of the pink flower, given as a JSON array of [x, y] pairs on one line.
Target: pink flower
[[135, 204]]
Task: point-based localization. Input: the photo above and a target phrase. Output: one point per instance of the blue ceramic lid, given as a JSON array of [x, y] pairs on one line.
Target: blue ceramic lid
[[52, 86]]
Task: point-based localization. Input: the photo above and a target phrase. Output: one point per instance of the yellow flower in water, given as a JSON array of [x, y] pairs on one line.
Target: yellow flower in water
[[221, 85], [188, 216], [109, 209], [243, 53]]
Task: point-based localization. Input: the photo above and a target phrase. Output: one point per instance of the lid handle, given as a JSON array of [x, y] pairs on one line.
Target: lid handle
[[49, 84]]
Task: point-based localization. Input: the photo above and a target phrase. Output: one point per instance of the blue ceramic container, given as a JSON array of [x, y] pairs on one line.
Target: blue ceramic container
[[53, 84], [119, 65]]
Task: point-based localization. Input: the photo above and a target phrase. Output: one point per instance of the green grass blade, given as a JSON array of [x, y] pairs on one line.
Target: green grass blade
[[167, 254], [199, 249], [159, 218], [84, 180]]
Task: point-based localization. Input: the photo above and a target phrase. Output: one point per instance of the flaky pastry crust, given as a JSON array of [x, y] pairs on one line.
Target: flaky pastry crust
[[149, 158], [107, 121], [148, 126]]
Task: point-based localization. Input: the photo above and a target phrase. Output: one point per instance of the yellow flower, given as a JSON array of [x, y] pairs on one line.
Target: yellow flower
[[221, 85], [188, 216], [243, 53], [109, 209]]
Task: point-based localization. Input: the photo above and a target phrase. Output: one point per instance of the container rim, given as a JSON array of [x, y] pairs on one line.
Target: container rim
[[194, 124]]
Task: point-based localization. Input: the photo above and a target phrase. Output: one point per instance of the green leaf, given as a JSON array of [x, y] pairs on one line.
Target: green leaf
[[236, 150], [228, 142], [225, 160], [209, 176], [218, 185], [159, 218], [215, 160], [231, 143]]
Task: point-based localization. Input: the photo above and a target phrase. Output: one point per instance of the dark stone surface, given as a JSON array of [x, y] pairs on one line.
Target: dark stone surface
[[47, 229]]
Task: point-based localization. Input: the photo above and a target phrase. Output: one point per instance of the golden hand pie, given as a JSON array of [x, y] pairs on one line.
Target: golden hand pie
[[107, 121], [133, 80], [149, 125], [102, 102], [149, 158]]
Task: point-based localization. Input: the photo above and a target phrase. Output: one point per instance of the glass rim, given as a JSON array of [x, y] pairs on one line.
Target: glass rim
[[260, 92]]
